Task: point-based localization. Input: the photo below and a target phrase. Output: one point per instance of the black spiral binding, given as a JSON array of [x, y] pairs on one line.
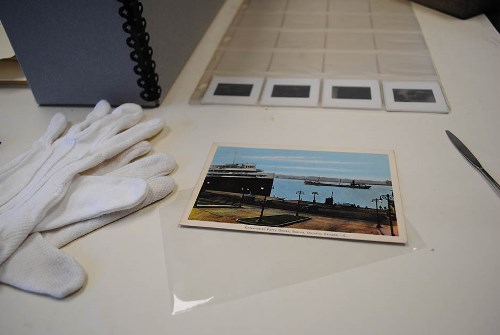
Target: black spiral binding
[[142, 53]]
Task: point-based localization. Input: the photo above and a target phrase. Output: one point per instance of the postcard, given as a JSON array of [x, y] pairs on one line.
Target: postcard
[[339, 194]]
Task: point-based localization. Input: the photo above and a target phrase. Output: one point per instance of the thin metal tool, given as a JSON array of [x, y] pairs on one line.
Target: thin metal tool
[[471, 158]]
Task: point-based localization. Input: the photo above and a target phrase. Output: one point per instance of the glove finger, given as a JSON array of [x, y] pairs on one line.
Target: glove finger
[[56, 127], [39, 267], [158, 188], [125, 117], [159, 164], [101, 109], [121, 118], [131, 136], [120, 160], [92, 196]]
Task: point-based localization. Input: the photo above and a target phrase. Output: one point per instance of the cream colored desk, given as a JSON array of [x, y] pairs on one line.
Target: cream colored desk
[[449, 287]]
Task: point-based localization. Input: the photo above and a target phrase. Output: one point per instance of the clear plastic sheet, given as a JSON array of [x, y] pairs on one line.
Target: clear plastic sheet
[[209, 266], [323, 39]]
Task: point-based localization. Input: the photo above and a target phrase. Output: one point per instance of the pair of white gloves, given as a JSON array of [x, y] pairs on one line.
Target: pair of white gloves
[[70, 184]]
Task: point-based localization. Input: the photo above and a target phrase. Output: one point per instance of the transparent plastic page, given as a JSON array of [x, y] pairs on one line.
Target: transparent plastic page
[[209, 266], [378, 40]]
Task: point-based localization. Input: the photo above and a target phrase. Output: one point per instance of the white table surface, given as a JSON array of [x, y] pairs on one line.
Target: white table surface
[[451, 286]]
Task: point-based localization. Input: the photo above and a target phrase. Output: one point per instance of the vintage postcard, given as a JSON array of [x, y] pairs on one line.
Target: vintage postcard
[[295, 191]]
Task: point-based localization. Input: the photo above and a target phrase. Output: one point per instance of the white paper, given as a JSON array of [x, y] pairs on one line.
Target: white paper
[[6, 50]]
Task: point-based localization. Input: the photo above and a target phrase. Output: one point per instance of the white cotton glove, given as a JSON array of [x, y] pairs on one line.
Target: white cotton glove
[[16, 174], [37, 153], [39, 266], [91, 196], [102, 136]]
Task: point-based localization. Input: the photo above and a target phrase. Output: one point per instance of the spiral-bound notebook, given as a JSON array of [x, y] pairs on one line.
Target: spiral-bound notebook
[[77, 52]]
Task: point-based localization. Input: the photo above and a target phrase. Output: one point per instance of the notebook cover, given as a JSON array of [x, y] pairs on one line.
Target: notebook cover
[[75, 52], [462, 9]]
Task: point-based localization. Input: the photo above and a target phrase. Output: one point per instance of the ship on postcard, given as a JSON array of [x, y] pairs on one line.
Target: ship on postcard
[[243, 178], [352, 184]]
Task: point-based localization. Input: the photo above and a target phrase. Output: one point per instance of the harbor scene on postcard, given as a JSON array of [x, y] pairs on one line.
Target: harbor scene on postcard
[[287, 188], [342, 192]]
